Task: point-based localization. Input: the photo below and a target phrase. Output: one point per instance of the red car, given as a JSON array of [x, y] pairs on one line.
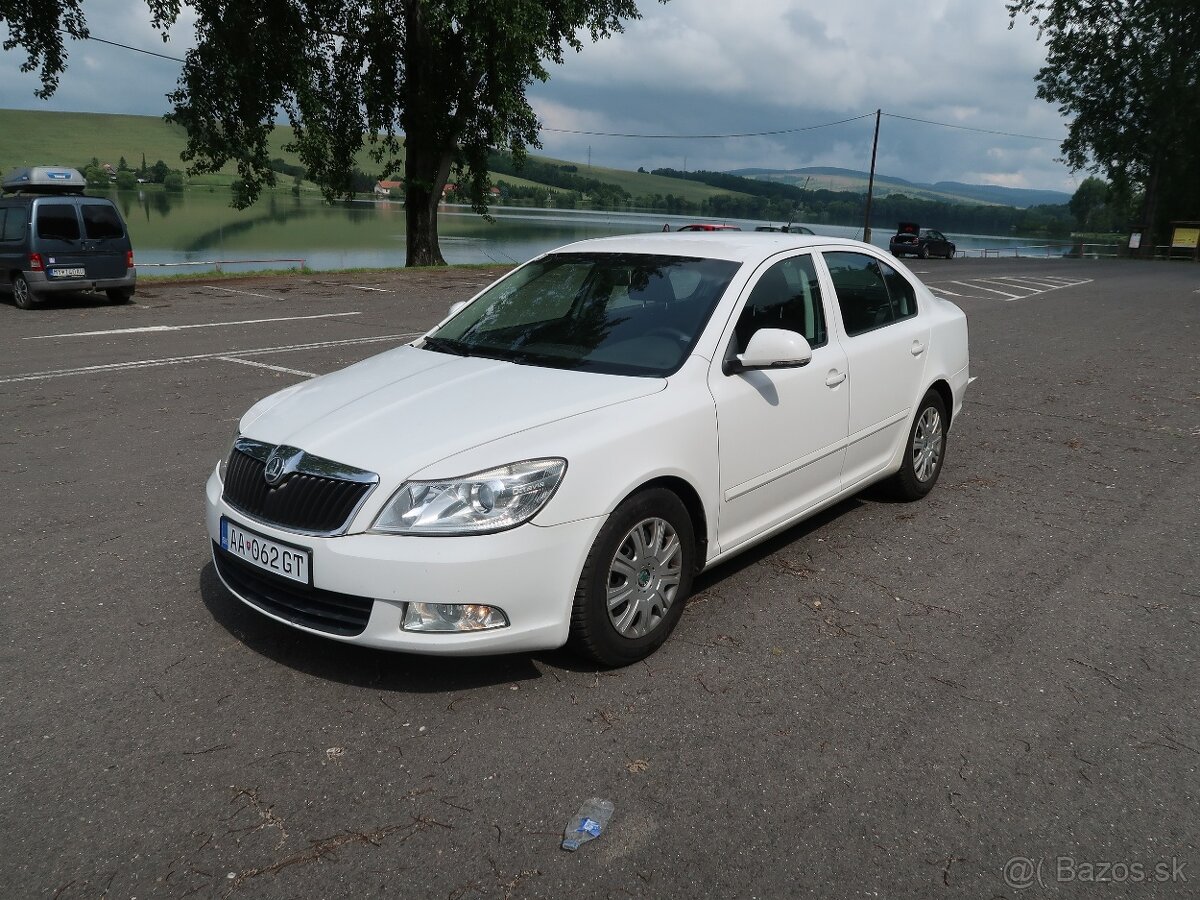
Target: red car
[[706, 226]]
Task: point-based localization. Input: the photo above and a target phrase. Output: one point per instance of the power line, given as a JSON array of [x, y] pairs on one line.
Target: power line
[[92, 37], [1032, 137], [677, 137], [699, 137]]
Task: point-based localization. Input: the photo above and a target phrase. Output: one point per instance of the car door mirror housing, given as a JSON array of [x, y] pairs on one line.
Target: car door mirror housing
[[771, 348]]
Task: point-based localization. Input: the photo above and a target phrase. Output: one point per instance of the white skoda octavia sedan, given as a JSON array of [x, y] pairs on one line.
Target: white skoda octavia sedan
[[558, 458]]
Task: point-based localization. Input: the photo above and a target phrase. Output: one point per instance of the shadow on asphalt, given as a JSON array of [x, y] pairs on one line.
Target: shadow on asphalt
[[410, 673]]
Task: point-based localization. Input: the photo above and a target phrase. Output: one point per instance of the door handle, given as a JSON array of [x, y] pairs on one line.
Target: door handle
[[834, 378], [917, 348]]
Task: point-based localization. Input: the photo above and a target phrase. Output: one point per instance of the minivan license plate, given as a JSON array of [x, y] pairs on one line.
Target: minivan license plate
[[68, 273], [284, 560]]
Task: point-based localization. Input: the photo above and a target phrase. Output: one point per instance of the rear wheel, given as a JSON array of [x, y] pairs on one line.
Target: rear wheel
[[119, 295], [636, 580], [22, 295], [925, 452]]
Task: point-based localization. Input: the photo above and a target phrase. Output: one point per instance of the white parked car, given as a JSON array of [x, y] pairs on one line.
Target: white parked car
[[558, 458]]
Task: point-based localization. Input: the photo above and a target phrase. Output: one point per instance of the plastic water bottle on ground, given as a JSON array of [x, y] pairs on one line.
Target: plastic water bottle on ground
[[587, 824]]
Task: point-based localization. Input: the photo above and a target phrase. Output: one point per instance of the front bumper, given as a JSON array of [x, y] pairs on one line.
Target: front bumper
[[530, 572]]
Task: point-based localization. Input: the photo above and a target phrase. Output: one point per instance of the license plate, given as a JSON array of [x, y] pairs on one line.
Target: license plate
[[68, 273], [284, 560]]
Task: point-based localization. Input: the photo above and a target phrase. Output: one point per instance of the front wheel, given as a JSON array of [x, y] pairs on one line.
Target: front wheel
[[636, 580], [925, 452], [22, 295]]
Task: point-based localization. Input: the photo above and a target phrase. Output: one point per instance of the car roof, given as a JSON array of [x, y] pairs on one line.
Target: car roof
[[737, 246]]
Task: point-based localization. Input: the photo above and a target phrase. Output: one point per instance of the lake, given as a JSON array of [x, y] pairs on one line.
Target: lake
[[175, 233]]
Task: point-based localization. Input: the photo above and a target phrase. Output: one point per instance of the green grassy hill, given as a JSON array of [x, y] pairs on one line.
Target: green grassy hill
[[35, 138], [639, 183]]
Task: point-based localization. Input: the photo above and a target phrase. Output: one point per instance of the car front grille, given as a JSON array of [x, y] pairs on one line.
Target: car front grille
[[315, 496], [342, 614]]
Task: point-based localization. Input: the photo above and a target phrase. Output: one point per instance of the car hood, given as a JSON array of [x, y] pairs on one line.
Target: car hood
[[404, 410]]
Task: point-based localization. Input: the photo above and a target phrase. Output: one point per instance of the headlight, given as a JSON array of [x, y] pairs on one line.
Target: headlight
[[488, 501]]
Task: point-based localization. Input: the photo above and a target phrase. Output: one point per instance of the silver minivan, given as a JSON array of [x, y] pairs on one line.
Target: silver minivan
[[53, 238]]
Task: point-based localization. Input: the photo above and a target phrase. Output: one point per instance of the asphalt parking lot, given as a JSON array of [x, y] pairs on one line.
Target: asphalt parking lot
[[989, 693]]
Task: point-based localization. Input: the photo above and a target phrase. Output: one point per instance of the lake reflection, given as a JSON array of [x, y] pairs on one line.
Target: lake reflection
[[200, 228]]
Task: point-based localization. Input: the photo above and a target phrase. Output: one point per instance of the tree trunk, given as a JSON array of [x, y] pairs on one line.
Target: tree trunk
[[425, 175], [1150, 210]]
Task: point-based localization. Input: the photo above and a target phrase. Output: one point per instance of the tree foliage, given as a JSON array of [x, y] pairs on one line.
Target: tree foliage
[[427, 85], [1128, 73]]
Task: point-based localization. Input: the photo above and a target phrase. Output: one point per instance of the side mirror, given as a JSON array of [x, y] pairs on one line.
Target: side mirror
[[771, 348], [456, 308]]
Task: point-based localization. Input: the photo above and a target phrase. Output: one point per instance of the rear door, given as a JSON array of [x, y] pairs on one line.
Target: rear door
[[104, 239], [885, 340], [58, 238]]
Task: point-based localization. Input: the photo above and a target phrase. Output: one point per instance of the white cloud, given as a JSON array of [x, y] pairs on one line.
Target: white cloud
[[707, 67]]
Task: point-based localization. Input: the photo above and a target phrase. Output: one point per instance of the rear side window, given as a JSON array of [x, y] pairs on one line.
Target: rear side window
[[57, 221], [101, 221], [870, 293], [12, 223]]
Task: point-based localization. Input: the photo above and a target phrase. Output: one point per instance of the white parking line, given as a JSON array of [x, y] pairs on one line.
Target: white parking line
[[364, 287], [980, 282], [213, 287], [200, 357], [980, 287], [155, 328], [263, 365]]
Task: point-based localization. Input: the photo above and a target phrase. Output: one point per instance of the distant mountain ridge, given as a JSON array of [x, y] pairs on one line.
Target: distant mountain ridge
[[832, 178]]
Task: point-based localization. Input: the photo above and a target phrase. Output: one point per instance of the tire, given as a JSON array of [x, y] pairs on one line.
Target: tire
[[644, 558], [119, 295], [22, 295], [950, 253], [923, 251], [924, 452]]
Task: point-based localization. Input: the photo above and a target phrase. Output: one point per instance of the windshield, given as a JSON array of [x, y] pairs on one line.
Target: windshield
[[616, 313]]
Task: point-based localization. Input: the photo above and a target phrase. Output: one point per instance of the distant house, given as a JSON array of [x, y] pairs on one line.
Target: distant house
[[450, 188], [389, 188], [494, 191]]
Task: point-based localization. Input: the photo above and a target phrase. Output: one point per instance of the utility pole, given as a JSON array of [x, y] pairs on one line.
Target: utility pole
[[871, 180]]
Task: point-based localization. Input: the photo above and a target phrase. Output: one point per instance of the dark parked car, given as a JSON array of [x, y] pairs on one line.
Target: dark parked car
[[53, 238], [912, 240]]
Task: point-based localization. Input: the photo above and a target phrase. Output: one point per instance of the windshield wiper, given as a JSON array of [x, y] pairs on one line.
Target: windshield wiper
[[445, 345]]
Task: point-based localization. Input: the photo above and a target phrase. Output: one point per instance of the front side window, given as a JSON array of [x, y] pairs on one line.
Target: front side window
[[100, 220], [870, 293], [616, 313], [57, 221], [787, 296]]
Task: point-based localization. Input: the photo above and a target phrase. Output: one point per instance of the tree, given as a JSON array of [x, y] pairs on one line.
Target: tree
[[1088, 202], [1129, 74], [447, 75]]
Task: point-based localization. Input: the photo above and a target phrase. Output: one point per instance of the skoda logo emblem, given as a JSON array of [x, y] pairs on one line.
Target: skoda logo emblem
[[281, 462]]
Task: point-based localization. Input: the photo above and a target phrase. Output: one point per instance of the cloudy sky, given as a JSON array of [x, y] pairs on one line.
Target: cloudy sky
[[696, 67]]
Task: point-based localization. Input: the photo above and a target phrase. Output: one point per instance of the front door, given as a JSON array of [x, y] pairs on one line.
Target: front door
[[781, 432]]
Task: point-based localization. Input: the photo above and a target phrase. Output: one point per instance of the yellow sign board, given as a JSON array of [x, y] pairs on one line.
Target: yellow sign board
[[1187, 238]]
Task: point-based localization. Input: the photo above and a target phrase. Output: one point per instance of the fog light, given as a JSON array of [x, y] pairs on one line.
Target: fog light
[[443, 617]]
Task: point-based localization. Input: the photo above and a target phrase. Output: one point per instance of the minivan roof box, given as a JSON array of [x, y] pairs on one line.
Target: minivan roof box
[[43, 180]]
